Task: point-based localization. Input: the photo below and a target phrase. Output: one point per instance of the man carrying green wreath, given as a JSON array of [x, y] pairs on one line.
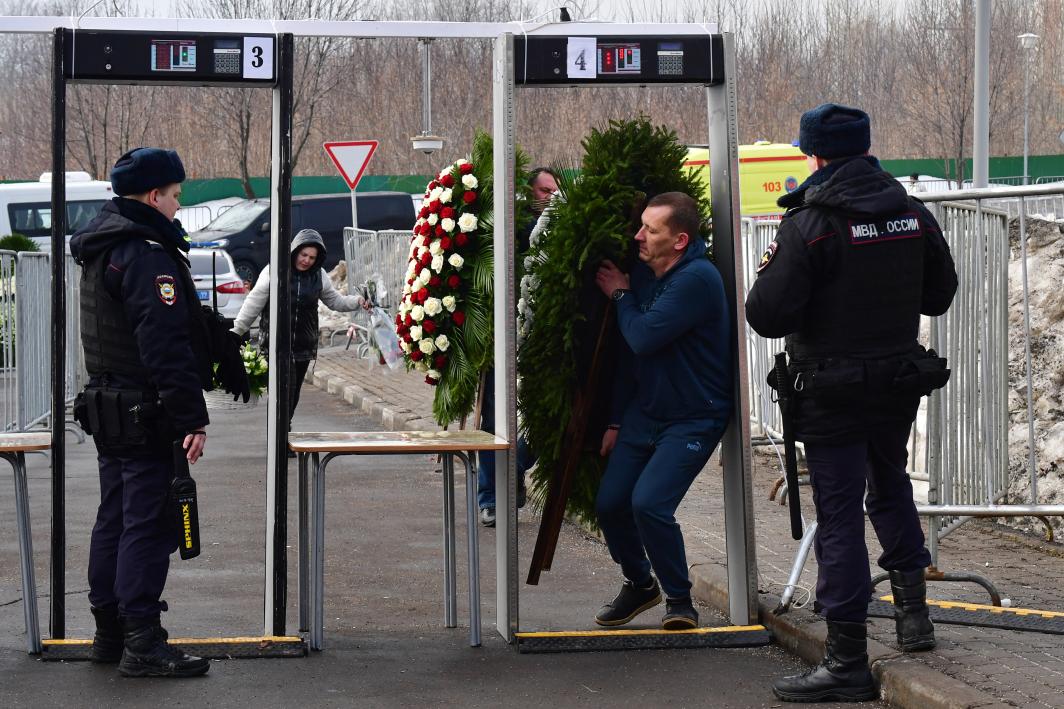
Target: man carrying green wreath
[[672, 401]]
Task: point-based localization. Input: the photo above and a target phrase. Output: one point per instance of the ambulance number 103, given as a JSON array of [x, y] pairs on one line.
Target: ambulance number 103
[[772, 186]]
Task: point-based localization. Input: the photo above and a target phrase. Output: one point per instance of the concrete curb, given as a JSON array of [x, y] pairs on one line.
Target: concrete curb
[[380, 411], [903, 682]]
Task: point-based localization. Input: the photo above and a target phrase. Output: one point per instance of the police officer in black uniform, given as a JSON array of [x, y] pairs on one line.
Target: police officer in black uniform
[[855, 263], [148, 354]]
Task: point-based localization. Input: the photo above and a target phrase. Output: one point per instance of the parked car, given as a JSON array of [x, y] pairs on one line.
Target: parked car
[[26, 207], [217, 282], [243, 230]]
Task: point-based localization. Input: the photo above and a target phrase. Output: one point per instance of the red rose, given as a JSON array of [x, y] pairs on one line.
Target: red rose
[[454, 281], [430, 380], [426, 258], [428, 327], [435, 281], [425, 228], [461, 239], [447, 180], [439, 230], [465, 168], [440, 362], [408, 321], [447, 213], [398, 319], [416, 355], [423, 295], [445, 243], [469, 196], [423, 213], [432, 185], [434, 206], [459, 318]]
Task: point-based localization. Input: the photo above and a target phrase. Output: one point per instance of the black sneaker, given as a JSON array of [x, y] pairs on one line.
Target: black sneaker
[[680, 614], [629, 603], [487, 516]]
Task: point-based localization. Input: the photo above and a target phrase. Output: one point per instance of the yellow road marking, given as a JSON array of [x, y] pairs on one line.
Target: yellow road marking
[[193, 641], [993, 609]]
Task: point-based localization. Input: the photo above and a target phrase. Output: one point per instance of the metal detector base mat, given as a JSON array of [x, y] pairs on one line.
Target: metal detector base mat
[[651, 639], [210, 648], [954, 613]]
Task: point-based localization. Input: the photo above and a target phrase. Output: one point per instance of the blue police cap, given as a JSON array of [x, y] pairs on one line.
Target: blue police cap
[[144, 169], [832, 131]]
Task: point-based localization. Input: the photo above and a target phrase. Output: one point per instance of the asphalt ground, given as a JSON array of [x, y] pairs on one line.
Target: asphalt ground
[[385, 641]]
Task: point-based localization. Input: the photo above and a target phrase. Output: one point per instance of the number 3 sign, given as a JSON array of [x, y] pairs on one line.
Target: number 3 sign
[[258, 58]]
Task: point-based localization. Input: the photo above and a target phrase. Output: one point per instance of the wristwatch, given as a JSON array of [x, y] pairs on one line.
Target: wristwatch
[[619, 293]]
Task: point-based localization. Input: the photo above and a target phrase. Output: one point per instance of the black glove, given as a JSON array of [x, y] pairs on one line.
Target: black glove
[[231, 373]]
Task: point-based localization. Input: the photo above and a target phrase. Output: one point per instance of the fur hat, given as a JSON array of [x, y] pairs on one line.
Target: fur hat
[[144, 169], [832, 131]]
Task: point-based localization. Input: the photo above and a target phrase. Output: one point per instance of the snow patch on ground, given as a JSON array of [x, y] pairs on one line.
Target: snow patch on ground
[[1045, 274]]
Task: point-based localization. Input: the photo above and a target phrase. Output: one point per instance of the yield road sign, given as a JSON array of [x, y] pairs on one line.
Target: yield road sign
[[351, 158]]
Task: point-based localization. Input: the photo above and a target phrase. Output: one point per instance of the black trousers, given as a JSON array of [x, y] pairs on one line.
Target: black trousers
[[133, 538], [841, 474], [299, 373]]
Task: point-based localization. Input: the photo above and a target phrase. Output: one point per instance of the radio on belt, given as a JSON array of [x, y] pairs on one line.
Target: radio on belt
[[597, 61], [175, 58]]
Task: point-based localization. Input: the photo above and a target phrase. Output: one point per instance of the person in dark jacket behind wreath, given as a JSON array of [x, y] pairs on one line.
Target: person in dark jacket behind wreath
[[855, 263], [672, 401], [308, 284], [148, 357]]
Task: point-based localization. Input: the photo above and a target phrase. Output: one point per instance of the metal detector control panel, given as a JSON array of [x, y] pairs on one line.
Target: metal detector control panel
[[597, 61], [169, 58]]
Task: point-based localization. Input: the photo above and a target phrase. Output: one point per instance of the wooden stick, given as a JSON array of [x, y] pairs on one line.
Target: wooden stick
[[561, 482]]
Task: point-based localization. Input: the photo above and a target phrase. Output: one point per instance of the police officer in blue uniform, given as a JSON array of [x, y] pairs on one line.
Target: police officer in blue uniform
[[855, 263], [148, 353]]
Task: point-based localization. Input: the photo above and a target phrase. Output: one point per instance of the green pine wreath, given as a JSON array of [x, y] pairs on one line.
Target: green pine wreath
[[624, 164]]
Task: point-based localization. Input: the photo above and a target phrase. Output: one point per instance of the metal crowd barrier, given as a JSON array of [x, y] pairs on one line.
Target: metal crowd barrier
[[8, 330], [760, 351], [378, 256], [1048, 206], [25, 342]]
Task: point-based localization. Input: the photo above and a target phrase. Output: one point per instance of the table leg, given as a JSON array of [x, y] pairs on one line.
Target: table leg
[[25, 547], [304, 546], [317, 637], [450, 591], [473, 551]]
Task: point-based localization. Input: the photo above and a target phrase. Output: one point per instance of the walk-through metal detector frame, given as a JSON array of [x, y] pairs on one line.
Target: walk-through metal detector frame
[[736, 452], [723, 143], [106, 58]]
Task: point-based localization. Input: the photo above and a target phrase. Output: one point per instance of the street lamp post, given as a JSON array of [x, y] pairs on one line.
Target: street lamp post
[[1029, 43]]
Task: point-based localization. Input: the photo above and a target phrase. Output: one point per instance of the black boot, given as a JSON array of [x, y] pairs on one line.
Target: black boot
[[108, 641], [843, 674], [147, 654], [915, 629]]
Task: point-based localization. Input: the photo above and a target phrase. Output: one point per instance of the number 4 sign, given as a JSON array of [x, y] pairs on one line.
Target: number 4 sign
[[580, 58]]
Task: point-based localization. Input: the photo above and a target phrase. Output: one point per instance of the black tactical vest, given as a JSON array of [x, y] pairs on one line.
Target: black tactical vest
[[871, 306], [106, 335]]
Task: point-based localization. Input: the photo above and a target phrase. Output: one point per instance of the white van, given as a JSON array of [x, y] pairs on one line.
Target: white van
[[26, 207]]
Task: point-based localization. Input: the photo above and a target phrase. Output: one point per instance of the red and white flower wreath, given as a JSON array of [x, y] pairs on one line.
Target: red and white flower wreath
[[436, 286]]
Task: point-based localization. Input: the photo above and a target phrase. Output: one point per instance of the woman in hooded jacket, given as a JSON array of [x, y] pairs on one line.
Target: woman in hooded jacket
[[307, 285]]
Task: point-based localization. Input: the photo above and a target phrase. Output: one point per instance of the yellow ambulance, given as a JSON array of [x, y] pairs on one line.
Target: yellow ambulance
[[766, 171]]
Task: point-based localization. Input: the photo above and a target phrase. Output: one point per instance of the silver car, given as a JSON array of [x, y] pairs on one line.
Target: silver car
[[217, 282]]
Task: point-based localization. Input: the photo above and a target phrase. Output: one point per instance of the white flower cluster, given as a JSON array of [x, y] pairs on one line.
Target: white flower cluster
[[529, 282], [444, 225]]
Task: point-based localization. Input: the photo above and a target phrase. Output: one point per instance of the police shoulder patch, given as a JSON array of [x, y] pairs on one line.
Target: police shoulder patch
[[164, 284], [766, 258]]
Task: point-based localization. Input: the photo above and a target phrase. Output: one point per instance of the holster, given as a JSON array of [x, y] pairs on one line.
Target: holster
[[121, 418], [920, 374]]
